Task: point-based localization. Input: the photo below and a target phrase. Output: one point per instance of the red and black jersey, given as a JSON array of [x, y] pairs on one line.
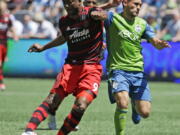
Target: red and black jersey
[[5, 23], [84, 37]]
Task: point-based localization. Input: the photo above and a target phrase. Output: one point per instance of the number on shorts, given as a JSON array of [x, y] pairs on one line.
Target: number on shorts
[[95, 87]]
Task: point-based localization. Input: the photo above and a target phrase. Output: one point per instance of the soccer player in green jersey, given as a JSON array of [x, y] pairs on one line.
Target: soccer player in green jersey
[[126, 76]]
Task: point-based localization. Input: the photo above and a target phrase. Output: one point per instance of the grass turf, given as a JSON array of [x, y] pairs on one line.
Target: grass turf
[[22, 96]]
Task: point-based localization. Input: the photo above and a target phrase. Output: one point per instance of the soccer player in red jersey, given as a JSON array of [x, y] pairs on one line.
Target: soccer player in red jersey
[[52, 118], [82, 29], [5, 27]]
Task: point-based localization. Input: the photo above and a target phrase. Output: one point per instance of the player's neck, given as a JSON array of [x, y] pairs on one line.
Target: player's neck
[[74, 17], [127, 17]]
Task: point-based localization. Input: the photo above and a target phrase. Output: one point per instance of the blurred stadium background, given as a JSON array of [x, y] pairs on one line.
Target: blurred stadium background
[[37, 21], [29, 76]]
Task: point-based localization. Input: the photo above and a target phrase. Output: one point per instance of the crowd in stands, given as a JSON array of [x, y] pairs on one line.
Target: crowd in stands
[[36, 18], [164, 16], [39, 18]]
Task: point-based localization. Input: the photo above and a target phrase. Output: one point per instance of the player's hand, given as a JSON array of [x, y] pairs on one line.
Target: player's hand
[[163, 44], [99, 15], [159, 44], [35, 48]]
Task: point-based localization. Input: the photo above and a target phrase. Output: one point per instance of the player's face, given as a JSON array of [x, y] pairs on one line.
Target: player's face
[[3, 7], [132, 7], [90, 3], [72, 6]]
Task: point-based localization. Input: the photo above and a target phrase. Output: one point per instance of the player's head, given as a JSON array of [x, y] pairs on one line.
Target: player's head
[[132, 7], [72, 6], [3, 7], [90, 3]]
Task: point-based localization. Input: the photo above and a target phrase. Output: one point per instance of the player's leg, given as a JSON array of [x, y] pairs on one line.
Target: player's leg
[[3, 52], [140, 108], [50, 104], [52, 119], [136, 117], [143, 108], [121, 112], [2, 86], [118, 88], [140, 98], [87, 89], [142, 105], [83, 99], [60, 83], [52, 122]]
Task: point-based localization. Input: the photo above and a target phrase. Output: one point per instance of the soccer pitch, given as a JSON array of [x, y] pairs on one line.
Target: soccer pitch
[[22, 96]]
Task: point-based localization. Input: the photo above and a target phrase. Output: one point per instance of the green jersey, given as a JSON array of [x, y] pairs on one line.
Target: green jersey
[[124, 42]]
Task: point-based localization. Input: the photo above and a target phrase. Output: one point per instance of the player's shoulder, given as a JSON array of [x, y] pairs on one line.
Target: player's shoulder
[[63, 18], [141, 21], [115, 14]]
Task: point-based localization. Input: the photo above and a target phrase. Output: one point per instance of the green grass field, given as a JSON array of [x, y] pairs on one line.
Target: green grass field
[[22, 96]]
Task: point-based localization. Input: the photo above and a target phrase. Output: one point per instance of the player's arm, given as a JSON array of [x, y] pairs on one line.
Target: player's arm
[[56, 42], [149, 34], [159, 44], [98, 14], [110, 4]]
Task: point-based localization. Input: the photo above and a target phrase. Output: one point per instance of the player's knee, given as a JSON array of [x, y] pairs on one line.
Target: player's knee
[[122, 103], [122, 99], [145, 113], [82, 102], [53, 103], [85, 96], [80, 107], [49, 99], [144, 110]]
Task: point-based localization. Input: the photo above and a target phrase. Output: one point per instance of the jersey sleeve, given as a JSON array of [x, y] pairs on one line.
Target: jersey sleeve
[[109, 19], [149, 32]]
